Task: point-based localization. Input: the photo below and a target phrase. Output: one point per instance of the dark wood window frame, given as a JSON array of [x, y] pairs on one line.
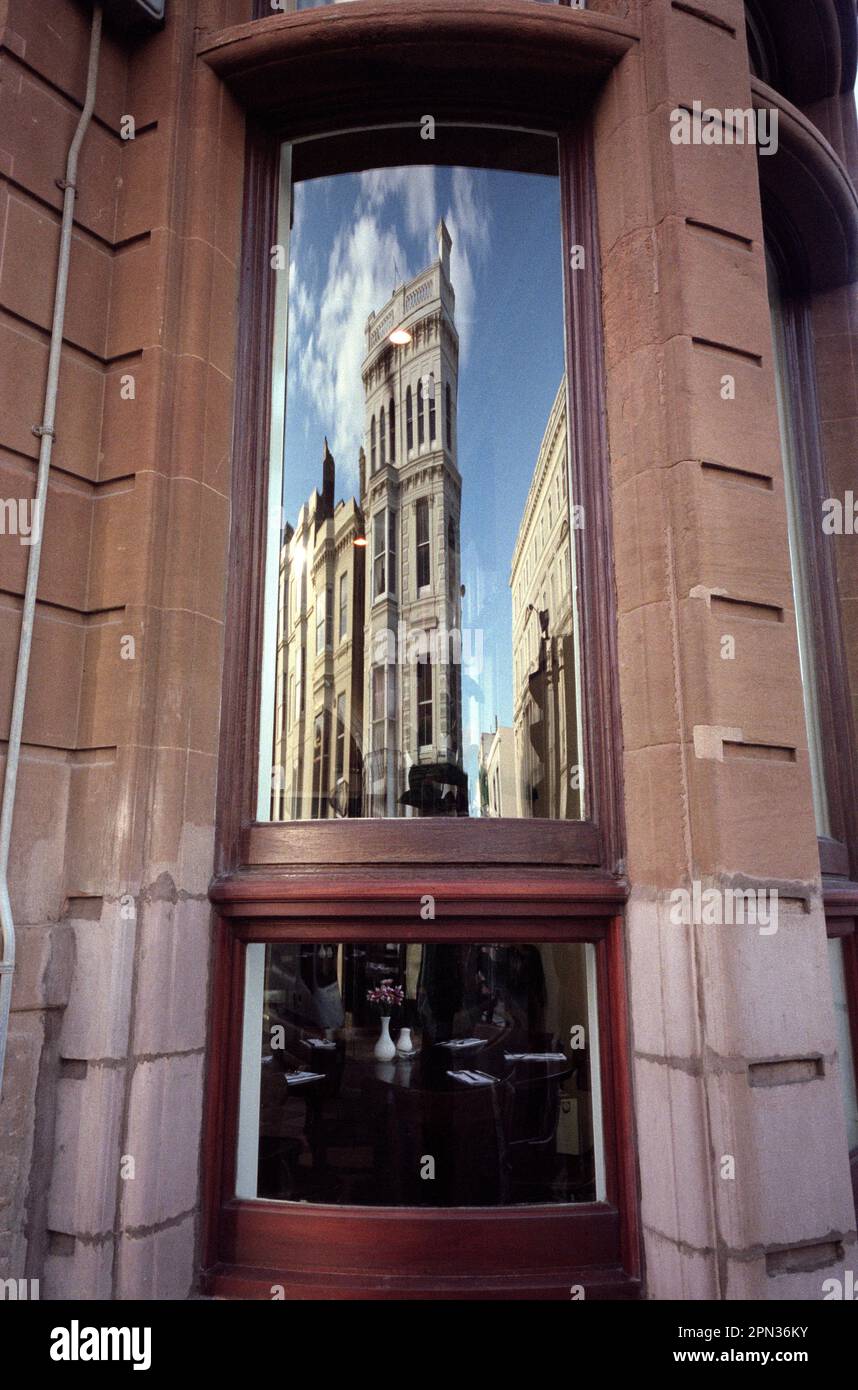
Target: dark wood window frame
[[838, 853], [513, 880]]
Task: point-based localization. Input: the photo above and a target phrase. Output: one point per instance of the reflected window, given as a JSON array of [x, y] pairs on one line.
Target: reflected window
[[459, 342], [422, 543], [362, 1060], [344, 605], [424, 703], [384, 553]]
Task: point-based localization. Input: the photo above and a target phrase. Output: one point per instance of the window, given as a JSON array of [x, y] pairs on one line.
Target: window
[[384, 553], [451, 559], [344, 605], [821, 656], [285, 1136], [424, 703], [324, 620], [422, 533], [340, 757], [495, 1076], [321, 740], [493, 532]]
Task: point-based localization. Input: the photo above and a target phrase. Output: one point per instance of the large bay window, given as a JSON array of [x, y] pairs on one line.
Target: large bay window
[[423, 999]]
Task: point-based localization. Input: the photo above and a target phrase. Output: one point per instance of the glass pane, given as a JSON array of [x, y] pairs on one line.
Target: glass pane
[[426, 484], [386, 1074], [845, 1053], [798, 562]]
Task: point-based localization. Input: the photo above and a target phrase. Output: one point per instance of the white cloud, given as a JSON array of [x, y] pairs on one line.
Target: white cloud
[[468, 223], [327, 327], [416, 186], [331, 333]]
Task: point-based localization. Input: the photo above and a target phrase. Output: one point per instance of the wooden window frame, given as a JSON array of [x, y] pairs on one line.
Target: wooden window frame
[[596, 842], [838, 853], [492, 1252], [512, 880]]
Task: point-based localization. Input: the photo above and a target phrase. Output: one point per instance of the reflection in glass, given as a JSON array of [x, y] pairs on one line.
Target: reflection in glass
[[500, 1089], [442, 592]]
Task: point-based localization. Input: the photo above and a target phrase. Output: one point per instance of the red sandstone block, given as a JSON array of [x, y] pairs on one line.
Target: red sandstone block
[[649, 675], [118, 555], [207, 672], [32, 237], [654, 798], [129, 425], [210, 592], [55, 670], [92, 822], [757, 690], [40, 123], [38, 883], [720, 408], [689, 60], [753, 816], [59, 51], [138, 300], [218, 431], [144, 195], [728, 538], [111, 684]]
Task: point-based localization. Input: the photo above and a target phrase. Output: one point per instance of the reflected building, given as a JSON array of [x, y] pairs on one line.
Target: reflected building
[[411, 492], [545, 714], [320, 659], [498, 779]]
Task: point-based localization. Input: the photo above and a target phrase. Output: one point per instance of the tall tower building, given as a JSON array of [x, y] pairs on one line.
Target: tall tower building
[[411, 494]]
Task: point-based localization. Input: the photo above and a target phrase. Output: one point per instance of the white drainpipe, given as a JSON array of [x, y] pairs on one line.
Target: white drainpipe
[[45, 431]]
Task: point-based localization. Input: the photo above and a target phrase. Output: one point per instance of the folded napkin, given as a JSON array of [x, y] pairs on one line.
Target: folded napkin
[[456, 1043], [298, 1078], [472, 1078], [535, 1056], [324, 1043]]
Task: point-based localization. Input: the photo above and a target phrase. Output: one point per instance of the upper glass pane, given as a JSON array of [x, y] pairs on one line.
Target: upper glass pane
[[423, 569]]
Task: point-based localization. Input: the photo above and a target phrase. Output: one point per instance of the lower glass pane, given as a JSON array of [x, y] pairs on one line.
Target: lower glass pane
[[420, 1074]]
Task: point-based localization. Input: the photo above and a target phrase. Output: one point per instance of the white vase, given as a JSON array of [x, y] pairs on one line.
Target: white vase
[[404, 1045], [385, 1048]]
